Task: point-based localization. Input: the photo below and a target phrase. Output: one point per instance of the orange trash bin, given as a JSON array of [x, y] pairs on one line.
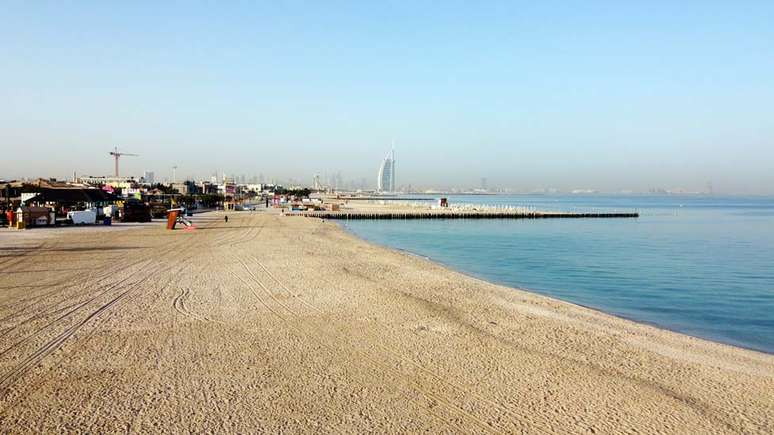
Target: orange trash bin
[[171, 220]]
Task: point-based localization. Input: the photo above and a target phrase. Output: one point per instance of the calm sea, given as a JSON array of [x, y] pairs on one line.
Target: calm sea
[[701, 265]]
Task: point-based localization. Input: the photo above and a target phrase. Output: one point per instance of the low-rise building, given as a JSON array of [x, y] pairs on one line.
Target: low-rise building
[[114, 182]]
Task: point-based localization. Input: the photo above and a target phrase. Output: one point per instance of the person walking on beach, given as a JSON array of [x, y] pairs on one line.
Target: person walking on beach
[[225, 218]]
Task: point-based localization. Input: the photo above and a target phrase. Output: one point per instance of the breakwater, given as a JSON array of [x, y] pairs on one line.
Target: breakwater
[[457, 214]]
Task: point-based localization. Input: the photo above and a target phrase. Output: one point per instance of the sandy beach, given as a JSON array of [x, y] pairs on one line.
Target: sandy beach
[[287, 324]]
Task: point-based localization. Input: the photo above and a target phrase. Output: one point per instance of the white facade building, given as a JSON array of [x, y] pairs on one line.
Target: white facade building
[[386, 179], [116, 182]]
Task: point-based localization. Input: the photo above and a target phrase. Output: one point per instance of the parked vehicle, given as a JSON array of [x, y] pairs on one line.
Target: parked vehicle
[[135, 211], [83, 217]]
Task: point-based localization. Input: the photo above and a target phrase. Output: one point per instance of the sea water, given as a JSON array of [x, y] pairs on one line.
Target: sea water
[[700, 265]]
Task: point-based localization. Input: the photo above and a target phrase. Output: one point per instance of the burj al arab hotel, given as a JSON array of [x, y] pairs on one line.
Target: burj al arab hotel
[[386, 180]]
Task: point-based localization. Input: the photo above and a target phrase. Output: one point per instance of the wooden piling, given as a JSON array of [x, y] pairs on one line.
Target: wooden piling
[[458, 214]]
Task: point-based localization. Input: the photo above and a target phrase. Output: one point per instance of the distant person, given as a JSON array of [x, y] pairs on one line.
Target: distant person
[[225, 218]]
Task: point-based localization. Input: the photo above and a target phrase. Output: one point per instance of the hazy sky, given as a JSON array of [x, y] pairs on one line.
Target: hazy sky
[[605, 95]]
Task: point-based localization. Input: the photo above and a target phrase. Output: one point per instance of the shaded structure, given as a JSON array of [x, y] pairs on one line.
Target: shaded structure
[[72, 196]]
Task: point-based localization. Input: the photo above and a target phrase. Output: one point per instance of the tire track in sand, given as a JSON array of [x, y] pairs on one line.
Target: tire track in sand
[[668, 394], [8, 378], [374, 364], [296, 326], [525, 418]]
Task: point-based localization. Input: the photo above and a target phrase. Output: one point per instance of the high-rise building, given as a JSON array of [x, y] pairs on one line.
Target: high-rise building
[[339, 181], [386, 180], [149, 177]]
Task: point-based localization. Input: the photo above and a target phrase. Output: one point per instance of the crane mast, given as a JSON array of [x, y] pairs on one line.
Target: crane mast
[[116, 154]]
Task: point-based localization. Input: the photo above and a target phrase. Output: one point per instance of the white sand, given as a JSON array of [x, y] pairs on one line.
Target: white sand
[[279, 324]]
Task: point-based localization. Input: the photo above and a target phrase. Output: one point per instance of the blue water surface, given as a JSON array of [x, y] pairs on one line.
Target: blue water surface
[[701, 265]]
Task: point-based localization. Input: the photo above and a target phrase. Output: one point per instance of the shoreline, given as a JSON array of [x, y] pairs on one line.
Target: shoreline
[[272, 324], [599, 310]]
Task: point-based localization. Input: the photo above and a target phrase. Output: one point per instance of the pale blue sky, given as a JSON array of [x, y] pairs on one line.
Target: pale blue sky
[[605, 95]]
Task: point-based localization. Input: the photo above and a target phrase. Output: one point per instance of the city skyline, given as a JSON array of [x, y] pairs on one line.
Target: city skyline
[[335, 180], [600, 96]]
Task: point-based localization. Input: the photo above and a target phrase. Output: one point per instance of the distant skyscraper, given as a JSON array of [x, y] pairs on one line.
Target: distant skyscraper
[[386, 180], [149, 177]]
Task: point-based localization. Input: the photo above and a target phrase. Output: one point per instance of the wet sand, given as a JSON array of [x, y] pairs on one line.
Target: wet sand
[[278, 324]]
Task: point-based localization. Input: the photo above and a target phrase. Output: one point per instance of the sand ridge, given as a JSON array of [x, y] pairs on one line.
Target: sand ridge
[[277, 324]]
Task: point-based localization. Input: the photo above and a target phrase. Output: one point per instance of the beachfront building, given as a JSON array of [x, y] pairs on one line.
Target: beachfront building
[[386, 180]]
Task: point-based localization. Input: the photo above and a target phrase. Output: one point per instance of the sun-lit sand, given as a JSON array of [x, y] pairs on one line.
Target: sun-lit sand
[[278, 324]]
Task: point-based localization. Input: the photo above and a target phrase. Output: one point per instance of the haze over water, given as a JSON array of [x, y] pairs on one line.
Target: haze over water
[[703, 266]]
